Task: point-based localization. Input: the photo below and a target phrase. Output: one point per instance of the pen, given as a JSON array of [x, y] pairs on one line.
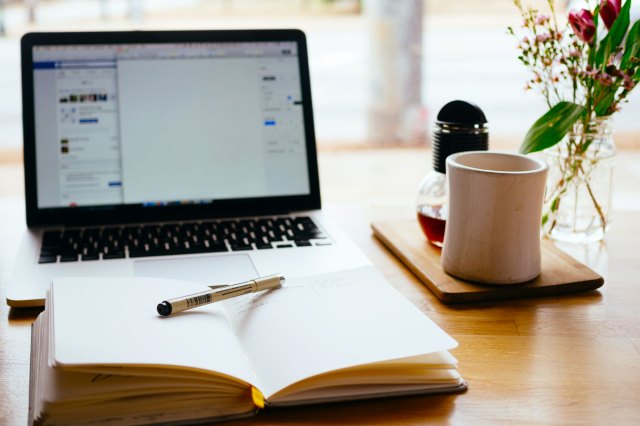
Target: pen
[[173, 306]]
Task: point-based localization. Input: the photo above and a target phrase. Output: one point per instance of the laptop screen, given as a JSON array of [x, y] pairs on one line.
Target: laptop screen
[[173, 123]]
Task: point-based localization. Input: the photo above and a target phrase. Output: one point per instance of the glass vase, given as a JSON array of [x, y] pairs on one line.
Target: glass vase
[[580, 184]]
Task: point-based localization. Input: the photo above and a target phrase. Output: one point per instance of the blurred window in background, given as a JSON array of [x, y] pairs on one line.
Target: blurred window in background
[[380, 69]]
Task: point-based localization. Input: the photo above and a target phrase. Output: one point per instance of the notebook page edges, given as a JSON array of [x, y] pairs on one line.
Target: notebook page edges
[[60, 396], [322, 323]]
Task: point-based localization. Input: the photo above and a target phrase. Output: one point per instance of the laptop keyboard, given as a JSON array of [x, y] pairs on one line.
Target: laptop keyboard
[[119, 242]]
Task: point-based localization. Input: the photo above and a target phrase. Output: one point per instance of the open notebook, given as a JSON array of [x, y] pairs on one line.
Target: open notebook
[[102, 354]]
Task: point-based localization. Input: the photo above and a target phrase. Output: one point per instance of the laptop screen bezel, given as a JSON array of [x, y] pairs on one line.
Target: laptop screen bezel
[[98, 215]]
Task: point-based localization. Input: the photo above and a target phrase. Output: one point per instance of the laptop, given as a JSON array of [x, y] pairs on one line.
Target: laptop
[[174, 154]]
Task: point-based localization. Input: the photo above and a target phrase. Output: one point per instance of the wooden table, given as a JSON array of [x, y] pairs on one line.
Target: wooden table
[[571, 359]]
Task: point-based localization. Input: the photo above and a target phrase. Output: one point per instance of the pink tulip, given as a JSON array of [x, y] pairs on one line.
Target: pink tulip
[[582, 23], [609, 11]]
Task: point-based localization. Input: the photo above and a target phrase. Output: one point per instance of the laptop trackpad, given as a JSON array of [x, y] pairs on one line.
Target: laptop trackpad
[[208, 270]]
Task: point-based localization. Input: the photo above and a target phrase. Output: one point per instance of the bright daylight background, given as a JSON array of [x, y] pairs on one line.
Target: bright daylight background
[[465, 54]]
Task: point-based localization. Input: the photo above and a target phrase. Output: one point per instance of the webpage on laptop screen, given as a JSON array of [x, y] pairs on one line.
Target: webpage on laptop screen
[[168, 123]]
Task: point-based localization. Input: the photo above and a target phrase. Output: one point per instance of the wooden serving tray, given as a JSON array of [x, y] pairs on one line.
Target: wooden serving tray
[[561, 273]]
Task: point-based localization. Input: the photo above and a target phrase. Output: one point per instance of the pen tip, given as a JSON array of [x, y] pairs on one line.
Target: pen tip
[[164, 308]]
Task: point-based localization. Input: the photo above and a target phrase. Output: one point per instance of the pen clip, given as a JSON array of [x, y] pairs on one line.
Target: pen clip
[[217, 286]]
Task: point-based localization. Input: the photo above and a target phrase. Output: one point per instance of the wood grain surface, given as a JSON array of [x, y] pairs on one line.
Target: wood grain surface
[[572, 359], [561, 273]]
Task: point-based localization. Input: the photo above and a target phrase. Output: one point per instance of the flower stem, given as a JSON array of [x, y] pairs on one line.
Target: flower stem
[[597, 206]]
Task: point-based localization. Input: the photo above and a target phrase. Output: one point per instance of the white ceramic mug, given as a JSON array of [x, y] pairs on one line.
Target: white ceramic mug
[[492, 233]]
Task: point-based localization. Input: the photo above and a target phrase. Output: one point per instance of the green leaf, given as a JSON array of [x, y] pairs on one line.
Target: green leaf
[[592, 50], [632, 46], [615, 36], [549, 129], [605, 99], [636, 76], [602, 108]]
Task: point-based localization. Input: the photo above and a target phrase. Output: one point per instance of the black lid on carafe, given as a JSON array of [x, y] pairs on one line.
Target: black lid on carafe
[[460, 126]]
